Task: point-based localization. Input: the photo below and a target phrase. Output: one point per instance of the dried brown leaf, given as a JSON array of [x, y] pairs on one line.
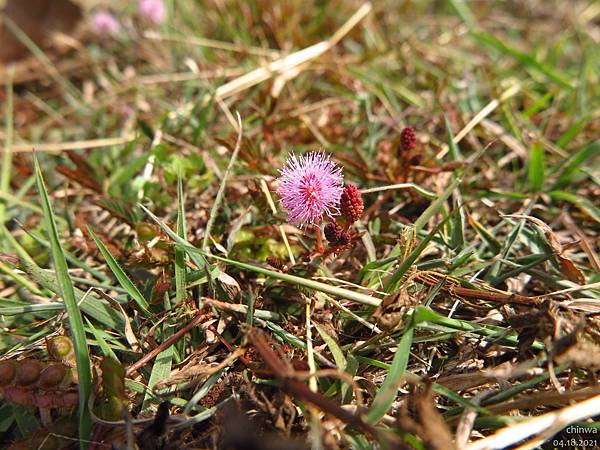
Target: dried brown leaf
[[39, 19]]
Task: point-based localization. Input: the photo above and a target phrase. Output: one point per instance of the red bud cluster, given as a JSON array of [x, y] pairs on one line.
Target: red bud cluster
[[335, 234], [408, 139], [351, 204]]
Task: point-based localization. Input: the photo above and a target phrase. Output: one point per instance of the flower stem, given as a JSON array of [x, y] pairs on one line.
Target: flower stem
[[319, 244]]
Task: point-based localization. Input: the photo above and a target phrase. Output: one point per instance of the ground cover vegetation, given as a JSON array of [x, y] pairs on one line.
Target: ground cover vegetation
[[299, 224]]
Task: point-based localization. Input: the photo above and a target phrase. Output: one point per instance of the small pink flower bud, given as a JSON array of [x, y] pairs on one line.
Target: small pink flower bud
[[104, 22], [154, 10]]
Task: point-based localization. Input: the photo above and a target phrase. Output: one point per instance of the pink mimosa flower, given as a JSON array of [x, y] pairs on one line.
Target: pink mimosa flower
[[104, 22], [153, 9], [309, 186]]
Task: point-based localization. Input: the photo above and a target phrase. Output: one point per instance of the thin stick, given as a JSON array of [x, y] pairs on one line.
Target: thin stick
[[200, 318], [76, 145], [319, 244], [492, 296]]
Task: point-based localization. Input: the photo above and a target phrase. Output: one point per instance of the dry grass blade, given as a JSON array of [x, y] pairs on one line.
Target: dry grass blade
[[546, 425], [287, 64]]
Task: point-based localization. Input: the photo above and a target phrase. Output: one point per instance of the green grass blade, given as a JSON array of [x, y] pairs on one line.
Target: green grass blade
[[334, 348], [92, 304], [204, 389], [180, 271], [121, 276], [492, 334], [571, 166], [582, 203], [104, 347], [526, 59], [75, 320], [435, 206], [465, 13], [387, 392], [5, 170], [572, 132], [17, 309], [299, 281], [161, 368], [536, 167]]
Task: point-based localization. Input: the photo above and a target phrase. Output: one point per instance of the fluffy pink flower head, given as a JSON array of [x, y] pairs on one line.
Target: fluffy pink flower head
[[104, 22], [309, 186], [153, 9]]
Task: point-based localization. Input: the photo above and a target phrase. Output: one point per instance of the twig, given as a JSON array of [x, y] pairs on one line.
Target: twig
[[75, 145], [285, 374], [492, 296], [200, 318]]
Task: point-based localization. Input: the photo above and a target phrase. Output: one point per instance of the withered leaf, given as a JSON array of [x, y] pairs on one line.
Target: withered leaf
[[428, 425], [569, 270], [567, 267], [38, 19]]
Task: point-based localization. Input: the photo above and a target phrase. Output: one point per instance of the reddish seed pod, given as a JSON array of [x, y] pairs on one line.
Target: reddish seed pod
[[20, 396], [8, 371], [351, 204], [45, 401], [344, 238], [408, 139], [28, 371], [52, 376], [275, 262], [69, 399], [332, 232]]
